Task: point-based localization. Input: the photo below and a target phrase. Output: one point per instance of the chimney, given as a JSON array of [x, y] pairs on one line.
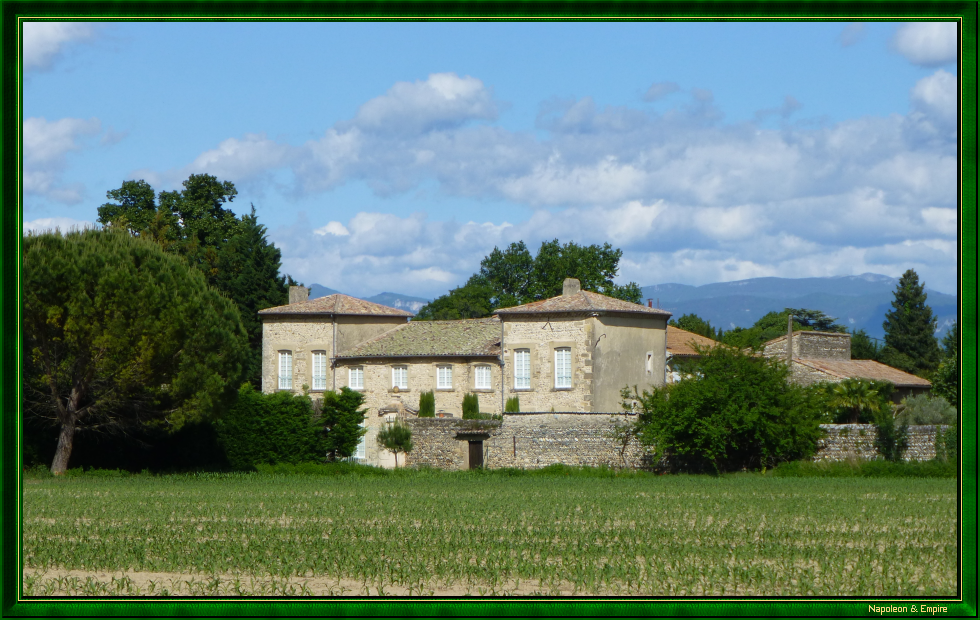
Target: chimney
[[298, 294], [570, 286], [649, 303], [789, 341]]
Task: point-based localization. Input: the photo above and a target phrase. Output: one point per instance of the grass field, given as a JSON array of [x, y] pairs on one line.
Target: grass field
[[444, 533]]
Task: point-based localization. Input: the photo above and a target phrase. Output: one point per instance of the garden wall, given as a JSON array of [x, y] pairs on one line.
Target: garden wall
[[845, 441]]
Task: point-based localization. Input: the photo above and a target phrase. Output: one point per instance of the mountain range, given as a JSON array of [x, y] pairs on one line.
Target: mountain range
[[857, 302]]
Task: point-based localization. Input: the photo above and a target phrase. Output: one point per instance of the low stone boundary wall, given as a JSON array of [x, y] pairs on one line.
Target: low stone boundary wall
[[534, 440], [845, 441]]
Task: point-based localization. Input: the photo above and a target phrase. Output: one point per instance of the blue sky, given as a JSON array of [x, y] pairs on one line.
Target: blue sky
[[394, 156]]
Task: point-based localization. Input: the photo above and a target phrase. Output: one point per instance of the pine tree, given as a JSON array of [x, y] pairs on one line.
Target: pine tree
[[910, 326]]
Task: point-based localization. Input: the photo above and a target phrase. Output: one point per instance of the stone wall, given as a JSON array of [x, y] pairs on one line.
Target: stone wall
[[846, 441], [528, 441], [812, 345]]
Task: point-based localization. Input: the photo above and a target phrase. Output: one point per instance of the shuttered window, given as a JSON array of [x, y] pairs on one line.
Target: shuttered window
[[285, 370], [522, 369], [563, 367]]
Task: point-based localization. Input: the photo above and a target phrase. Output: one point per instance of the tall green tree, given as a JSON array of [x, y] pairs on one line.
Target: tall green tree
[[696, 325], [512, 277], [233, 253], [863, 346], [910, 327], [946, 379], [119, 334]]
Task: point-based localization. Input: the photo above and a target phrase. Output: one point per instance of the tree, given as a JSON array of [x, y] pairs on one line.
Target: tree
[[471, 407], [427, 404], [118, 334], [232, 253], [396, 437], [946, 379], [773, 325], [512, 277], [736, 411], [863, 346], [342, 422], [696, 325], [855, 398], [910, 326]]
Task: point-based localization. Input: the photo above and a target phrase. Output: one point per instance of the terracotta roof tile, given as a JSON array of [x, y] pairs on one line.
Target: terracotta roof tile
[[582, 301], [433, 338], [336, 304], [680, 342], [864, 369]]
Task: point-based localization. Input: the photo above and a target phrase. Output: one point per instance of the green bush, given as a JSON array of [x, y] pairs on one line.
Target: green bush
[[471, 407], [513, 405], [270, 428], [925, 409], [427, 405], [736, 411], [341, 421], [891, 439], [946, 444]]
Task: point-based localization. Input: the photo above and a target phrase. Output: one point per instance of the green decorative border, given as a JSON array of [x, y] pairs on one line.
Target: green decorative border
[[10, 239]]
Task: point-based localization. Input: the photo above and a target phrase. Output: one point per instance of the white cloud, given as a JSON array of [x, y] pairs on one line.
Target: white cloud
[[43, 41], [942, 221], [659, 90], [64, 224], [444, 100], [332, 228], [928, 44], [46, 144]]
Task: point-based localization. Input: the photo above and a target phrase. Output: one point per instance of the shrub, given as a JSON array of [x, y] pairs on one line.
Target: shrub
[[513, 405], [427, 405], [864, 469], [946, 444], [925, 409], [341, 420], [736, 411], [891, 440], [856, 401], [471, 407], [270, 428], [396, 437]]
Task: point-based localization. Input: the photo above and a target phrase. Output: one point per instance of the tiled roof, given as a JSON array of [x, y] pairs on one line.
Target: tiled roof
[[864, 369], [582, 301], [336, 304], [680, 342], [433, 338]]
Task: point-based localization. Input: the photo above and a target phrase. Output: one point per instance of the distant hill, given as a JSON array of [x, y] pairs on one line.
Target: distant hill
[[858, 302], [394, 300]]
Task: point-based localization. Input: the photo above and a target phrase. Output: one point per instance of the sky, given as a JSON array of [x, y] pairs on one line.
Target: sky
[[392, 157]]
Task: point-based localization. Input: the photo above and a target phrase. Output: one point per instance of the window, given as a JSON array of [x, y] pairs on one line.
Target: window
[[482, 379], [356, 378], [522, 369], [399, 377], [360, 454], [649, 362], [563, 367], [319, 370], [444, 377], [285, 370]]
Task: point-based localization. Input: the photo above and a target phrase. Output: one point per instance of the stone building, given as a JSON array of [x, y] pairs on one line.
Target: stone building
[[683, 345], [826, 356], [570, 354]]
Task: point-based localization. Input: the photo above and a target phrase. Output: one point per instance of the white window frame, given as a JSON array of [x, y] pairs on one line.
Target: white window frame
[[319, 378], [361, 452], [399, 382], [355, 377], [285, 370], [563, 368], [522, 369], [483, 371], [444, 377]]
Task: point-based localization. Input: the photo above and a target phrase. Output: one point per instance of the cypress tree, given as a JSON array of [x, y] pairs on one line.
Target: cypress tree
[[910, 326]]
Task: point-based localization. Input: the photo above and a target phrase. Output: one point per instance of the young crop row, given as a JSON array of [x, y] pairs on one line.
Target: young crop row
[[641, 536]]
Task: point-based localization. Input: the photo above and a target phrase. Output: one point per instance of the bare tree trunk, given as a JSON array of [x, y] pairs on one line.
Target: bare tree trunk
[[396, 454], [65, 440]]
